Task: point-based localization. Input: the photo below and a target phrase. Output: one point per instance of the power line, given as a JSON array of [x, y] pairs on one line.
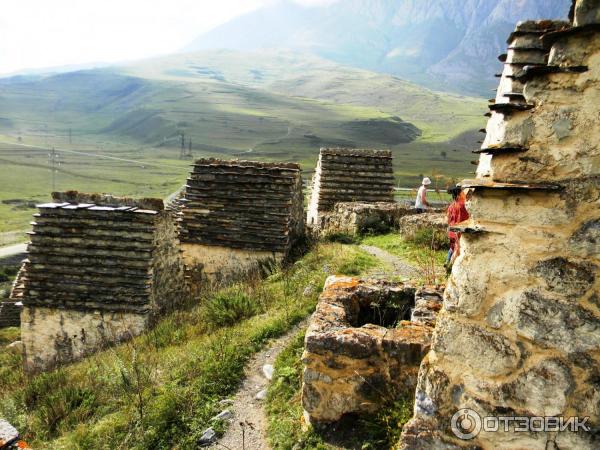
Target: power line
[[95, 155], [182, 152], [54, 160]]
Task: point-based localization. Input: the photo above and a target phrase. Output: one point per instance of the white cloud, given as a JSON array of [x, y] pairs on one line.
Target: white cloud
[[44, 33]]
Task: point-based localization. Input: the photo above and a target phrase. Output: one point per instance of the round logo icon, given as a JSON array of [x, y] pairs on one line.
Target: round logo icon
[[466, 423]]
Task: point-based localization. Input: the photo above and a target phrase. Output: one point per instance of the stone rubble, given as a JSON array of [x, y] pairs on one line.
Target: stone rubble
[[349, 175], [518, 334]]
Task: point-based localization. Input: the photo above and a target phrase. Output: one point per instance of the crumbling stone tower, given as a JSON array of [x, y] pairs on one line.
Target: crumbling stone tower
[[100, 269], [348, 175], [237, 215], [519, 334]]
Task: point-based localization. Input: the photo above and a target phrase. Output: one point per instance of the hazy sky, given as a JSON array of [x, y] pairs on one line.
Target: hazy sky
[[45, 33]]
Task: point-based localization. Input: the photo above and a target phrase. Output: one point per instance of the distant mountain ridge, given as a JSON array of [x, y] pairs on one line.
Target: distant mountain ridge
[[443, 44]]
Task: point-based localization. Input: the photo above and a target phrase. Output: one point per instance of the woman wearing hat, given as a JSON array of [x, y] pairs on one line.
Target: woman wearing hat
[[421, 202]]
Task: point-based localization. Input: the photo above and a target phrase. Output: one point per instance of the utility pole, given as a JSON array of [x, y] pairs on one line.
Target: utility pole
[[189, 148], [53, 161], [182, 152]]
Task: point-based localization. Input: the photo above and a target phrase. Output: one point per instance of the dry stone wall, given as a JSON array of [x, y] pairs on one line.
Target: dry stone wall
[[519, 332], [236, 215], [360, 351], [360, 217], [99, 270], [349, 175]]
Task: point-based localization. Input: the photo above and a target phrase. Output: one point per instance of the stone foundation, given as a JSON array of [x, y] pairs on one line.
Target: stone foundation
[[360, 351], [359, 217], [52, 337]]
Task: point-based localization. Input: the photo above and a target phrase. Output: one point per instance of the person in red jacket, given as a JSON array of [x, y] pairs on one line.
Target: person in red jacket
[[457, 212]]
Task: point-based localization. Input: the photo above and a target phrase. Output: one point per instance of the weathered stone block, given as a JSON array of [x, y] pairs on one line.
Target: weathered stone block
[[359, 217], [411, 224]]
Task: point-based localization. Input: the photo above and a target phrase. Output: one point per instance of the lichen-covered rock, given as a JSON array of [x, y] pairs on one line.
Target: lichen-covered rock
[[359, 352]]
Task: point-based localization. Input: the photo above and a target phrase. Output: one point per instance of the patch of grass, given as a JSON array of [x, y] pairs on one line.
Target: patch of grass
[[398, 245], [229, 306], [428, 260], [8, 273], [160, 390], [359, 264], [284, 409], [284, 412]]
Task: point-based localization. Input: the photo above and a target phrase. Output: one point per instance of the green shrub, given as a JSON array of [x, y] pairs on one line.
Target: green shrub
[[229, 307], [430, 238]]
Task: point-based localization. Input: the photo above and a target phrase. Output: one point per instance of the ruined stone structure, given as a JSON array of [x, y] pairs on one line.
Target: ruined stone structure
[[99, 270], [349, 175], [359, 217], [237, 215], [411, 224], [519, 333], [10, 313], [360, 351]]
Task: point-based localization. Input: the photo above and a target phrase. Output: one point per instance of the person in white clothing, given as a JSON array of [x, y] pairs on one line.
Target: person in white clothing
[[421, 203]]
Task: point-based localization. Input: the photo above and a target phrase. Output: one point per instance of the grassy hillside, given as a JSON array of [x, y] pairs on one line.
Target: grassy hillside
[[161, 390], [118, 130]]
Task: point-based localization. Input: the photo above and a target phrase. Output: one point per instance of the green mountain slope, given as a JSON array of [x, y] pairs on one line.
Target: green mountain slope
[[119, 129]]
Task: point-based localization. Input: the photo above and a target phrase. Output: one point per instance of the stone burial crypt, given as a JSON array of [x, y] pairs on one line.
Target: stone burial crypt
[[519, 332], [99, 270], [235, 216], [349, 175]]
